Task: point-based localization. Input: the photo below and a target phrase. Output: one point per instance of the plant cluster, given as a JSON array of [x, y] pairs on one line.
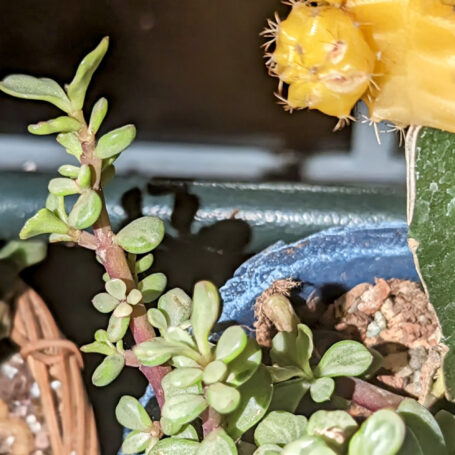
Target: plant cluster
[[219, 393]]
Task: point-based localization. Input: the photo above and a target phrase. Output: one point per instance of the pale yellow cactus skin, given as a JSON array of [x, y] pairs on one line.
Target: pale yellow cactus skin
[[397, 55]]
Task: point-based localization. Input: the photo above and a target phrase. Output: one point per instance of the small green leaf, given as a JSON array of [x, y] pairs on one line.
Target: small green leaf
[[114, 142], [304, 348], [170, 428], [446, 422], [175, 446], [187, 432], [123, 310], [85, 176], [223, 398], [308, 445], [335, 427], [185, 377], [280, 428], [170, 390], [157, 351], [135, 442], [288, 395], [33, 88], [134, 297], [176, 305], [215, 371], [184, 408], [268, 449], [345, 358], [231, 344], [99, 347], [117, 328], [280, 374], [86, 210], [217, 443], [157, 318], [71, 143], [61, 124], [68, 170], [78, 86], [381, 434], [144, 263], [63, 187], [141, 235], [131, 414], [423, 425], [245, 365], [104, 302], [116, 288], [152, 286], [178, 335], [322, 389], [108, 370], [284, 349], [101, 335], [98, 114], [256, 396], [180, 361], [206, 310], [43, 222]]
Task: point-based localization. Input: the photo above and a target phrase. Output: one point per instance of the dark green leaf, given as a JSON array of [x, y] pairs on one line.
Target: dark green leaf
[[288, 395], [245, 365], [446, 422]]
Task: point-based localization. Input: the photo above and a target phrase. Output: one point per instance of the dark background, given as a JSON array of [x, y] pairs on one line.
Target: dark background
[[182, 71]]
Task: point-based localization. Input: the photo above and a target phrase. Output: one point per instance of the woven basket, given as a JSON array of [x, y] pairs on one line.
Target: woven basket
[[69, 418]]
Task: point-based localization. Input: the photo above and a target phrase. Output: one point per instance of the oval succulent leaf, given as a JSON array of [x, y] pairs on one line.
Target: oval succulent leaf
[[184, 408], [68, 170], [381, 434], [304, 348], [99, 347], [345, 358], [423, 425], [71, 143], [78, 86], [116, 288], [86, 210], [288, 395], [223, 398], [108, 370], [308, 445], [131, 414], [245, 365], [63, 187], [185, 377], [114, 142], [179, 335], [98, 114], [144, 263], [157, 318], [84, 177], [152, 286], [43, 222], [135, 442], [187, 432], [141, 235], [280, 428], [175, 446], [206, 310], [104, 302], [215, 371], [231, 344], [134, 297], [157, 351], [268, 449], [117, 328], [256, 396], [176, 305], [217, 442], [33, 88], [61, 124], [284, 349], [322, 389], [446, 422]]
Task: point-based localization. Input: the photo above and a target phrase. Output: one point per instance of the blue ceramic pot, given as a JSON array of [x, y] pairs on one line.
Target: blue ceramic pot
[[338, 259]]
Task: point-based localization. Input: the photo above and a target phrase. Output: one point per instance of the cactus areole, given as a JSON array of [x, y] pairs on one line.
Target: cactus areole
[[387, 53]]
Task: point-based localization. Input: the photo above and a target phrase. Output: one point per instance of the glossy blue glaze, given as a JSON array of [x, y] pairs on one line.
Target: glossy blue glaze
[[339, 258]]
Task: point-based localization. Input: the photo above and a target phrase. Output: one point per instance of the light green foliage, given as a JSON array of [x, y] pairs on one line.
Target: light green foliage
[[44, 222], [131, 414], [184, 408], [33, 88], [115, 142], [86, 210], [71, 144], [223, 398], [63, 187], [108, 370], [322, 389], [308, 445], [61, 124], [217, 443], [68, 170], [141, 235], [98, 114], [231, 344], [152, 286], [84, 176], [176, 305], [381, 434], [175, 446], [78, 87]]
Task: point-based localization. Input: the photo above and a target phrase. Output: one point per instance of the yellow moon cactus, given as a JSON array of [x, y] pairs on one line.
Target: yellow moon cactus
[[396, 55]]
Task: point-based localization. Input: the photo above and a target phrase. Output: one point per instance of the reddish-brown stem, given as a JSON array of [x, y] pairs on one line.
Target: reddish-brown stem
[[116, 264], [211, 420]]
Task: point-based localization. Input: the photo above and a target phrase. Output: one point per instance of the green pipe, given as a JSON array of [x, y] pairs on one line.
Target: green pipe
[[273, 211]]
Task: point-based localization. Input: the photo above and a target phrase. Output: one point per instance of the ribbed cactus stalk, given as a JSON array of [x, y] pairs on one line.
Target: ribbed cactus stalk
[[387, 53]]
